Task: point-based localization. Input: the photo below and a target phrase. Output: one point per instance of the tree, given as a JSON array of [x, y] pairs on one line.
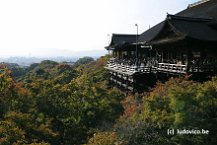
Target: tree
[[35, 128], [11, 134], [106, 138], [13, 96]]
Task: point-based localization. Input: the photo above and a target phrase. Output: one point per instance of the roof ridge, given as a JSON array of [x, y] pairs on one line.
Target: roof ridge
[[122, 34], [169, 17], [197, 3]]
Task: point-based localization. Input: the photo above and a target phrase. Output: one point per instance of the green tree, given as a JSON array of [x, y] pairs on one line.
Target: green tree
[[106, 138], [11, 134]]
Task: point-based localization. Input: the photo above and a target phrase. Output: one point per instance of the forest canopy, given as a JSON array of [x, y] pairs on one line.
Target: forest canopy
[[56, 103]]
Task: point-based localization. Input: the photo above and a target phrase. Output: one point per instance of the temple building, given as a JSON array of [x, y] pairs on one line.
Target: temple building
[[125, 69], [182, 44]]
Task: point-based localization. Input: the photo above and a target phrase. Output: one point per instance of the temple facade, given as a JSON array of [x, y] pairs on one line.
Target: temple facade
[[182, 44]]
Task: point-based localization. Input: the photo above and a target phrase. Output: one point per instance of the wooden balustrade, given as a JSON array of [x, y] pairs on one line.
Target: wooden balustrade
[[131, 69], [122, 75], [173, 68], [203, 68], [161, 67]]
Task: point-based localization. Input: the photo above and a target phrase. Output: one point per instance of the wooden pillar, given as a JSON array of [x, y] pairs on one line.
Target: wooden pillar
[[188, 57], [114, 53], [119, 54], [162, 56]]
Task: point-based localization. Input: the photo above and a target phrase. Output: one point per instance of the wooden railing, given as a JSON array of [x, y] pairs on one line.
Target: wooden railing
[[173, 68], [177, 68], [130, 69], [161, 67], [203, 68]]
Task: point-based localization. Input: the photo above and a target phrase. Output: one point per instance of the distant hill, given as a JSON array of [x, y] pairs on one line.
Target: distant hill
[[27, 61], [48, 69]]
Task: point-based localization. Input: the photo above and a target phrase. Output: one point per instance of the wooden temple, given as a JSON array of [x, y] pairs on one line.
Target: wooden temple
[[127, 67], [182, 44]]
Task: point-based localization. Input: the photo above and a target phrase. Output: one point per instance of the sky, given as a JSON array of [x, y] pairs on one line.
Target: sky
[[48, 28]]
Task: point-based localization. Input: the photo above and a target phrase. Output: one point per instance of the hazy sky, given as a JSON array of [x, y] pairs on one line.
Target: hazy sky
[[75, 27]]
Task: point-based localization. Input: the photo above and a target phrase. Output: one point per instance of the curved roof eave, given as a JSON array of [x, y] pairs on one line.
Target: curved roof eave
[[185, 27], [151, 33]]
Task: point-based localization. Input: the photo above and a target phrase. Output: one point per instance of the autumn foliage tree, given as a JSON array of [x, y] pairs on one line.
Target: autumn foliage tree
[[176, 104]]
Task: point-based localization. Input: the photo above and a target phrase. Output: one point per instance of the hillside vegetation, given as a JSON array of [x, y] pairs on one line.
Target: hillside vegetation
[[59, 104]]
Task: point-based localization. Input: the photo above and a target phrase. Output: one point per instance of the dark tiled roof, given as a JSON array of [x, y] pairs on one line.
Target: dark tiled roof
[[198, 29], [119, 40], [207, 9], [194, 28], [198, 22], [151, 33]]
